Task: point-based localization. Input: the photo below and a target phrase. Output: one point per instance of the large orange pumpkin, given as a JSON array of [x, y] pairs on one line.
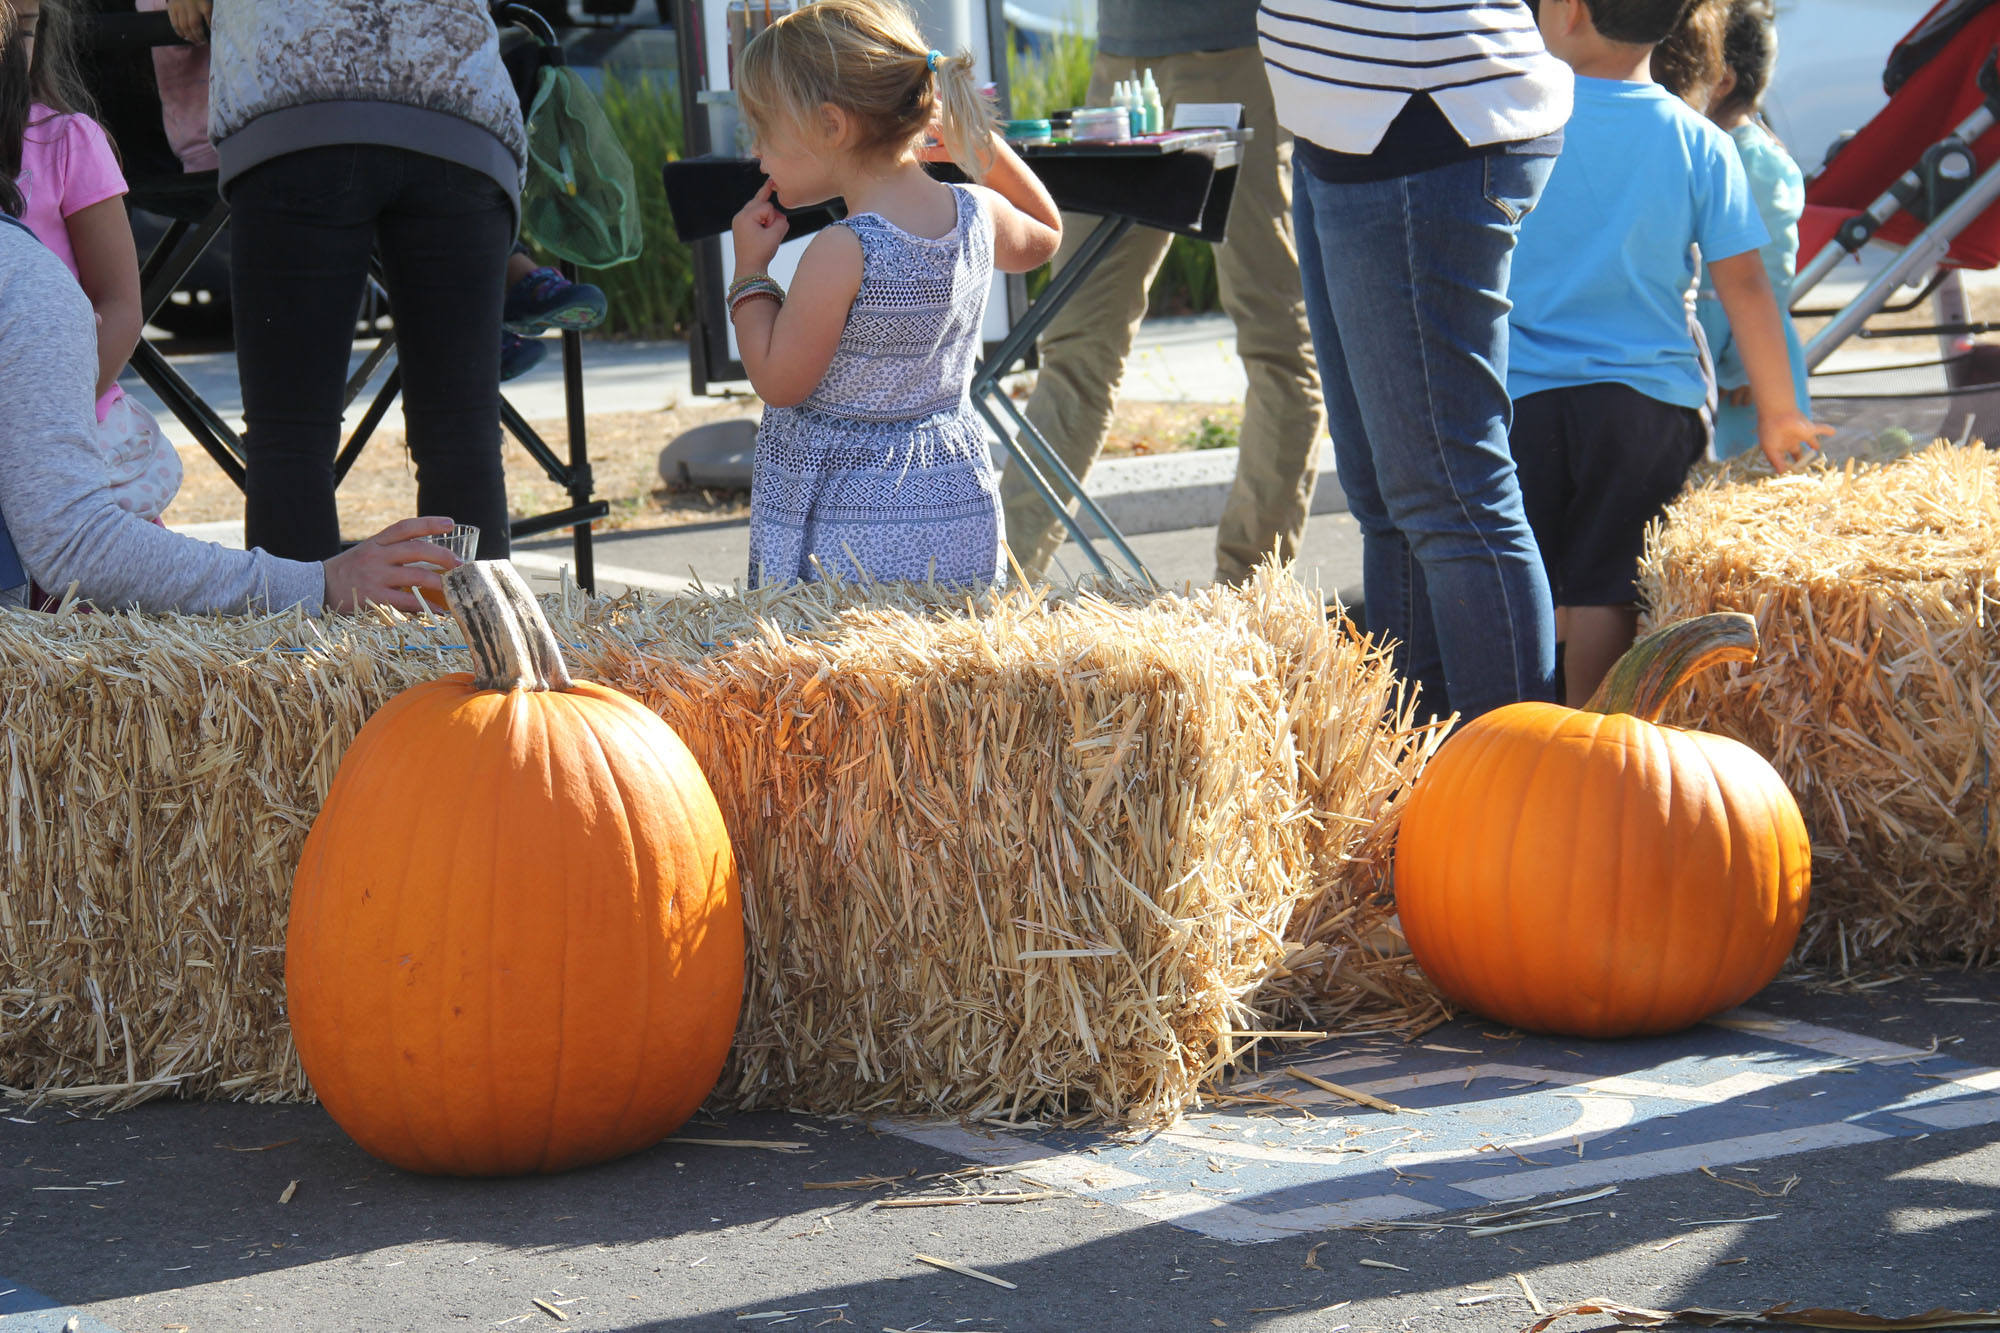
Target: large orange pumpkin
[[1593, 873], [516, 941]]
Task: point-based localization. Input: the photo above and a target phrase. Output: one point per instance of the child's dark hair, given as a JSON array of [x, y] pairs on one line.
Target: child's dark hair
[[1749, 50], [868, 58], [1635, 22], [13, 71], [1688, 63], [51, 78]]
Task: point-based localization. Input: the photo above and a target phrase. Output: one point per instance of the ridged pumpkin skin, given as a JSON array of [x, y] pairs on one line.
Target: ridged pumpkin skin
[[1599, 875], [516, 938]]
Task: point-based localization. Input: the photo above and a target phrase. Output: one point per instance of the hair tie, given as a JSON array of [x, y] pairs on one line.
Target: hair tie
[[930, 61]]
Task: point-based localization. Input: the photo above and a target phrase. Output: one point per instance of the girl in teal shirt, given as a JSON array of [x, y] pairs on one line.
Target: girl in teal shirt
[[1749, 47]]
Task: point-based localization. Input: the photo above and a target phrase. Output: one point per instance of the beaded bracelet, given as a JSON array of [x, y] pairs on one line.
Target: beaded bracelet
[[753, 287]]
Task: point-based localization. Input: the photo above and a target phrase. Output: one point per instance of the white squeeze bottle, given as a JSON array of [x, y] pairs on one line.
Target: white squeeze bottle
[[1156, 113]]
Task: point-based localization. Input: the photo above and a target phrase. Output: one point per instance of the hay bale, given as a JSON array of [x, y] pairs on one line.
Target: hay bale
[[1014, 857], [1042, 859], [1874, 589]]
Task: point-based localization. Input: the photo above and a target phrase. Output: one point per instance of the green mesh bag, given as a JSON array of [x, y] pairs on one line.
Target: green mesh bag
[[579, 201]]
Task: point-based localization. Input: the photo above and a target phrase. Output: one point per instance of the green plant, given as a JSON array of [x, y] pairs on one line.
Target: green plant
[[652, 296], [1213, 434], [1053, 77]]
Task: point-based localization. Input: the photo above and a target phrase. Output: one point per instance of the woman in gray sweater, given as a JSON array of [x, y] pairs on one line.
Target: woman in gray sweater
[[59, 524], [346, 128]]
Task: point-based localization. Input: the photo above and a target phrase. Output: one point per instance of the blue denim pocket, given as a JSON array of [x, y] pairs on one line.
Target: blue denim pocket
[[1514, 182]]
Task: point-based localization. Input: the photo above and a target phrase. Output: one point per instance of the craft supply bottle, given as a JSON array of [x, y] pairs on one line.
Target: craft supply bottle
[[1156, 111]]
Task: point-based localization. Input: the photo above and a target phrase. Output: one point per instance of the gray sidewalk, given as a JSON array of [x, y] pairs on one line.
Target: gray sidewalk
[[718, 554]]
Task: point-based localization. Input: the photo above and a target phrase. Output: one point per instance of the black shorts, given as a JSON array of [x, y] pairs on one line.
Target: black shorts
[[1598, 462]]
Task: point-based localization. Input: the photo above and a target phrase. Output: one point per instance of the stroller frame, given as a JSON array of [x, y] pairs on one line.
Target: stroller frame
[[1931, 246]]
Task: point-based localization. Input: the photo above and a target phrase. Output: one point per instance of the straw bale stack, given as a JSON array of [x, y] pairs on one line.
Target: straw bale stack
[[1874, 589], [1010, 857]]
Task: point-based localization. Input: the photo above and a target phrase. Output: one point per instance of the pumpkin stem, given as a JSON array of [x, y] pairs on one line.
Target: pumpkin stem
[[1645, 679], [512, 645]]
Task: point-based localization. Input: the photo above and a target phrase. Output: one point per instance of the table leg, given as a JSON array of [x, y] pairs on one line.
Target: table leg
[[986, 385], [1042, 487], [1025, 430]]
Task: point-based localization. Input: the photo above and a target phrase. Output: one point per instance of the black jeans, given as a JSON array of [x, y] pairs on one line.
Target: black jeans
[[302, 227]]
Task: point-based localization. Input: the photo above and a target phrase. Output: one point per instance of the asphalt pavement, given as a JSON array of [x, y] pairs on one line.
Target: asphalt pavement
[[1849, 1136]]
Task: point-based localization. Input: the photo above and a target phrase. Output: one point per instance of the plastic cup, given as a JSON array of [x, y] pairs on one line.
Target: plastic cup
[[463, 542]]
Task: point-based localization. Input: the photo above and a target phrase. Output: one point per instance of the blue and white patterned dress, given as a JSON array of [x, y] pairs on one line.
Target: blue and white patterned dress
[[884, 470]]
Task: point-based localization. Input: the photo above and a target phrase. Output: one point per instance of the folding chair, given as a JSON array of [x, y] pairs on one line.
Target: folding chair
[[119, 44], [1923, 174]]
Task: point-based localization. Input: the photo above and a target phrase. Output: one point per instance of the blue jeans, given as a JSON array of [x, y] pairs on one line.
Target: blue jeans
[[1405, 285]]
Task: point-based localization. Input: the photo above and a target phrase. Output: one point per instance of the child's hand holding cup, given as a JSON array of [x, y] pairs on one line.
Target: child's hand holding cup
[[463, 542]]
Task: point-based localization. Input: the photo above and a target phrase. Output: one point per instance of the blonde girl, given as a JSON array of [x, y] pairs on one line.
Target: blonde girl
[[870, 459]]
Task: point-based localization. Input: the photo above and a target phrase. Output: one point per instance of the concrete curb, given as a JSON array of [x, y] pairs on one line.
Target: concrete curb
[[1170, 492], [1153, 493]]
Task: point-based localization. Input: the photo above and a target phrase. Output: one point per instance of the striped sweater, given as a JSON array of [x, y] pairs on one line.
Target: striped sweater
[[1341, 69]]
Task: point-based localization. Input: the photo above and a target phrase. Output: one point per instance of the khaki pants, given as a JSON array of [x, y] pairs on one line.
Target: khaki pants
[[1257, 267]]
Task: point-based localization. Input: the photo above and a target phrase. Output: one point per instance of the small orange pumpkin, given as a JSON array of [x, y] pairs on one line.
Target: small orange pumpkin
[[516, 940], [1590, 872]]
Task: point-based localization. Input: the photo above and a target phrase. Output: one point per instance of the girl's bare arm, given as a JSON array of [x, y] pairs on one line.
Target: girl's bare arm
[[107, 266], [1755, 321], [786, 349], [1027, 227]]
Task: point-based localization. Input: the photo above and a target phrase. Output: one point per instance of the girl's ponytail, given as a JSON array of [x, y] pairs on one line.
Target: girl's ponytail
[[869, 58], [966, 118]]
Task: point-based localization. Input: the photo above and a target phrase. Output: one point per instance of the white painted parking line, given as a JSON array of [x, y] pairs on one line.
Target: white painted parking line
[[1670, 1161], [1524, 1117]]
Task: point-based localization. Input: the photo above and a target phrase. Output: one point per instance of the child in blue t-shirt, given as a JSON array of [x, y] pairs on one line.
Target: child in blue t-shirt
[[1749, 46], [1602, 364]]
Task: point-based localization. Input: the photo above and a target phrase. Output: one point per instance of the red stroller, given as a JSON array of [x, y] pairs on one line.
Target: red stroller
[[1922, 175]]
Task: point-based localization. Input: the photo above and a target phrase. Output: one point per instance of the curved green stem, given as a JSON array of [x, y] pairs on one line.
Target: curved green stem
[[1646, 678]]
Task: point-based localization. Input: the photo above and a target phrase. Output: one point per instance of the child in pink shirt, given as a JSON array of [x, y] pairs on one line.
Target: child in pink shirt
[[74, 195], [182, 73]]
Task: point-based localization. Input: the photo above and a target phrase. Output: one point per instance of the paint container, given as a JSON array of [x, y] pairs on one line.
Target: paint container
[[1103, 123]]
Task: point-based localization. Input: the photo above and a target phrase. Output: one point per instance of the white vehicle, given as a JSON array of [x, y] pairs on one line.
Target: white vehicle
[[1829, 76]]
